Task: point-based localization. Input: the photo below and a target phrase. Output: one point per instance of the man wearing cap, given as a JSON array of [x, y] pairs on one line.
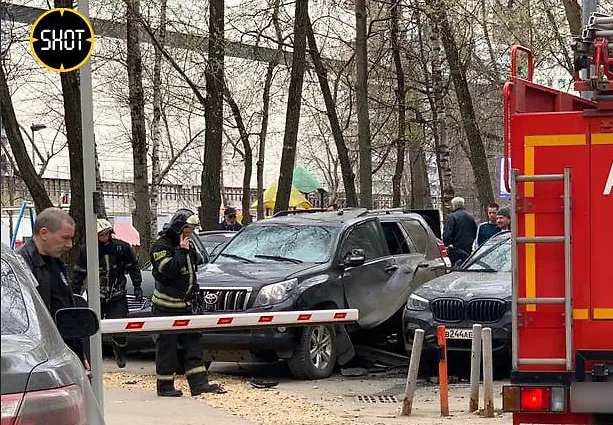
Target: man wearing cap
[[116, 258], [503, 219], [229, 222], [175, 261]]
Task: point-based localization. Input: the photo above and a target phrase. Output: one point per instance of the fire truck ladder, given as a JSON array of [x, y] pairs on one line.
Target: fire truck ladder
[[567, 299]]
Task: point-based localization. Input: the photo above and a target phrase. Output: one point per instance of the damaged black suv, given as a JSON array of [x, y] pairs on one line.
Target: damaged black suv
[[353, 258]]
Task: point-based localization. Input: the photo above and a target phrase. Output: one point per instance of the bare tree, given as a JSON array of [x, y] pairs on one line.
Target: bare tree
[[156, 130], [361, 88], [335, 126], [401, 100], [142, 215], [477, 157], [214, 72], [18, 147], [294, 100]]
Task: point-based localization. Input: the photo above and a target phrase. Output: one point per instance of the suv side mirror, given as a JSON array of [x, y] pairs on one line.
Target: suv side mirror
[[354, 258], [76, 322]]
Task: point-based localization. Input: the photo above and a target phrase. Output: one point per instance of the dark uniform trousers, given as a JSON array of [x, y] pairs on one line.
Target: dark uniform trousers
[[115, 308], [167, 361]]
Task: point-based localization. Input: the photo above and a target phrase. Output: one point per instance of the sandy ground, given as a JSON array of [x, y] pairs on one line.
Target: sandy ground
[[326, 402]]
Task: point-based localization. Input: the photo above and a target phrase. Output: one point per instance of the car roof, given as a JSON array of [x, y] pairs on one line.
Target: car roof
[[340, 218]]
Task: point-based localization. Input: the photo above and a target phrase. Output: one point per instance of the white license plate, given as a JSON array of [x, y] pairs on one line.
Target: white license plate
[[459, 333]]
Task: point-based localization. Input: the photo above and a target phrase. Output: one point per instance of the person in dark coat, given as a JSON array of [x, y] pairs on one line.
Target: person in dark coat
[[116, 258], [174, 263], [51, 238], [459, 232], [229, 222]]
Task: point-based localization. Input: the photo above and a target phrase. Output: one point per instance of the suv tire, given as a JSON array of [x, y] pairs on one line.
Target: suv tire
[[321, 342]]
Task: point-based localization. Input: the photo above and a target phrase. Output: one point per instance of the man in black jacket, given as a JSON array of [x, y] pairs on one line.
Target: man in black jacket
[[116, 258], [175, 261], [229, 222], [459, 232], [51, 238]]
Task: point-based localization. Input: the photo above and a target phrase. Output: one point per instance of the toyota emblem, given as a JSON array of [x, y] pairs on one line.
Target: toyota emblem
[[211, 298]]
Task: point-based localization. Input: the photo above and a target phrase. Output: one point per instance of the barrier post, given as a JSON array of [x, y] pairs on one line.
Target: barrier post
[[407, 403], [475, 369], [488, 374], [442, 370]]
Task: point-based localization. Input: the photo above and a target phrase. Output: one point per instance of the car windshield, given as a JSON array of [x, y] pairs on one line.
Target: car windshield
[[14, 314], [281, 243], [213, 243], [493, 255]]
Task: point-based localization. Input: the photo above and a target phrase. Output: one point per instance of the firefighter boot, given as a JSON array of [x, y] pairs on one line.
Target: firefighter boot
[[199, 383], [166, 388], [120, 356]]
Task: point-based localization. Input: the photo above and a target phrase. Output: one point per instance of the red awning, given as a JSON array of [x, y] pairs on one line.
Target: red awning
[[126, 232]]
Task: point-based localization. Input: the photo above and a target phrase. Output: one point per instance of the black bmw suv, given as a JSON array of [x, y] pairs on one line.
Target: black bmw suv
[[353, 258]]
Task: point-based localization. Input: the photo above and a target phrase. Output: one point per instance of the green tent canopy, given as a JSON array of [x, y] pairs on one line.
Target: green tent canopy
[[305, 181]]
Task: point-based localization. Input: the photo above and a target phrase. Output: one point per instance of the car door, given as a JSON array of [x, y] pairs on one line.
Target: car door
[[369, 287], [431, 265]]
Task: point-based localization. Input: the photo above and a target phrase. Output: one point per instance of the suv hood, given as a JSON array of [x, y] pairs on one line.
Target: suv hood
[[20, 355], [255, 275], [468, 285]]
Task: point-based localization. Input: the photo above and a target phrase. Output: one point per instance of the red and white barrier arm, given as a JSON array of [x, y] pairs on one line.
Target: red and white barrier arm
[[233, 321]]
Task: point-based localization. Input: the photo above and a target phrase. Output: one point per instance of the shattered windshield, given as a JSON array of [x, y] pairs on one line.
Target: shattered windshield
[[281, 243]]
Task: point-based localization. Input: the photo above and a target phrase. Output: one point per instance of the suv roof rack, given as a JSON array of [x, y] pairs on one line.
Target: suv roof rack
[[301, 211]]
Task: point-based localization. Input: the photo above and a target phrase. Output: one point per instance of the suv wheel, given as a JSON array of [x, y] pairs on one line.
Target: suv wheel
[[316, 354]]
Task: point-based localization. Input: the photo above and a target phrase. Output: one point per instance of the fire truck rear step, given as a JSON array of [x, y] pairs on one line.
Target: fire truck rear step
[[567, 361]]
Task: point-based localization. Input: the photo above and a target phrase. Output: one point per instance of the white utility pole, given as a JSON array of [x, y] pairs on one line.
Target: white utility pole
[[91, 237]]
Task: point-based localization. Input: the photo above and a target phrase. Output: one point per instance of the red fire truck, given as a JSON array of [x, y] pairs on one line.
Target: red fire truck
[[560, 148]]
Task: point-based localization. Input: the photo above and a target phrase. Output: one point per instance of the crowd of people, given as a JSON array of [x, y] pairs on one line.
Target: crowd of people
[[462, 235]]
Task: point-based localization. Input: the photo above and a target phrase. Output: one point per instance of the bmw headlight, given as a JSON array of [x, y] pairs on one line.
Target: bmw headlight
[[275, 293], [417, 303]]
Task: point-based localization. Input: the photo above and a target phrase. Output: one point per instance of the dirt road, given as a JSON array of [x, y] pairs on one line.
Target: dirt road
[[372, 399]]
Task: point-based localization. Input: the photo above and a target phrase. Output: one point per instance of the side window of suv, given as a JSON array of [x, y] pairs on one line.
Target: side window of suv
[[395, 239], [418, 235], [364, 236]]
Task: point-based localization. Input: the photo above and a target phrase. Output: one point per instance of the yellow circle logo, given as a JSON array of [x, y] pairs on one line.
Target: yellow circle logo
[[62, 40]]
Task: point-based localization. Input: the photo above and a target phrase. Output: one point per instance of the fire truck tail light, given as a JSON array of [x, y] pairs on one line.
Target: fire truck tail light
[[534, 399]]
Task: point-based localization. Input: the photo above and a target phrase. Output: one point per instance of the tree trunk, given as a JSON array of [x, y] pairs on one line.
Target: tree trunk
[[213, 150], [477, 157], [335, 126], [156, 129], [263, 133], [439, 116], [248, 154], [294, 99], [401, 102], [18, 147], [99, 206], [572, 9], [420, 185], [139, 139], [361, 94]]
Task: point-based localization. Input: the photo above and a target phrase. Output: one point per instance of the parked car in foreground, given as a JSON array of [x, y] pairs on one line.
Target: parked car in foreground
[[479, 292], [43, 382], [353, 258]]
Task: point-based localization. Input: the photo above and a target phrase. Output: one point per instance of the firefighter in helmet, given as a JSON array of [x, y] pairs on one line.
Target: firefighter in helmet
[[175, 261], [116, 258]]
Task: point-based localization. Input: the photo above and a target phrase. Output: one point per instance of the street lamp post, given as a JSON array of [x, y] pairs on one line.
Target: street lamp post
[[35, 128]]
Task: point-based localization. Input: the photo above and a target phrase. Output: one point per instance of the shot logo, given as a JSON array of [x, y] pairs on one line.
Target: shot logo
[[62, 40]]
